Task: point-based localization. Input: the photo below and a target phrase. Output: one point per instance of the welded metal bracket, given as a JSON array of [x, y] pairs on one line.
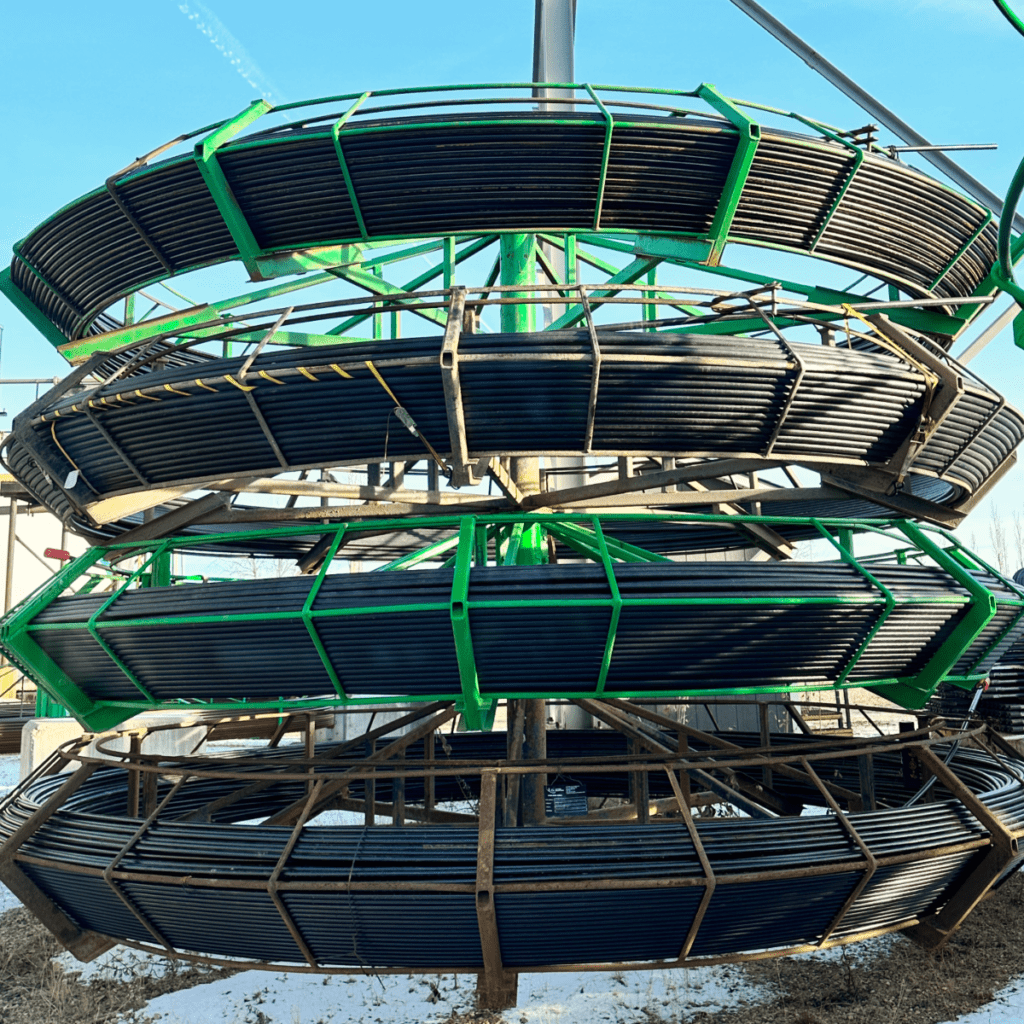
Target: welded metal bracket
[[462, 471], [595, 379], [945, 389], [988, 868]]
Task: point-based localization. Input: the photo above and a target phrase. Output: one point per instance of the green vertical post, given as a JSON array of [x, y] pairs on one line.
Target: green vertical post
[[518, 266], [162, 570], [47, 707], [570, 259], [533, 548], [448, 251], [129, 309]]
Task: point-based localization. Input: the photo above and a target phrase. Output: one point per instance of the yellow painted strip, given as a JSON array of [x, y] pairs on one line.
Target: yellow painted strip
[[273, 380], [151, 398], [306, 373], [383, 383], [175, 391], [241, 387], [337, 369], [206, 386], [53, 433]]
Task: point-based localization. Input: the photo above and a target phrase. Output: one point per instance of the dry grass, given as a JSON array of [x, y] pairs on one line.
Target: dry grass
[[34, 989]]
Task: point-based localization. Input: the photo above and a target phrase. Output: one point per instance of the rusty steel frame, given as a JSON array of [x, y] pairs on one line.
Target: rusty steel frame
[[727, 311], [682, 767]]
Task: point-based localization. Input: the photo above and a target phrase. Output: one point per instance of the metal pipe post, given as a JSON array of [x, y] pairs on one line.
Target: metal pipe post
[[11, 537]]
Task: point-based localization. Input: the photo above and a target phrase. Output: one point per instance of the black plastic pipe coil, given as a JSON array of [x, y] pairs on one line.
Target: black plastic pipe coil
[[392, 632], [774, 888], [528, 393], [665, 175]]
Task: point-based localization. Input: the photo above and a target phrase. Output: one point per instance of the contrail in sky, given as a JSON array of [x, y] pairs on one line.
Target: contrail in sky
[[233, 51]]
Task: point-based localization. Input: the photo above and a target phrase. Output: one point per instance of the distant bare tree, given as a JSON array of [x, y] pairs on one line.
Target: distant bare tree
[[998, 539], [1017, 522]]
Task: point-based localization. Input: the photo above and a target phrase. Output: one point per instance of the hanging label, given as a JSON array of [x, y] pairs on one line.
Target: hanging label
[[72, 479], [565, 800]]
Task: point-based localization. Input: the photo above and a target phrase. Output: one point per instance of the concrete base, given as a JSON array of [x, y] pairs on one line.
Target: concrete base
[[40, 737]]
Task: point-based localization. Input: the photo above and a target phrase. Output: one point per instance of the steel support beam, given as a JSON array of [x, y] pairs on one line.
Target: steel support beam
[[875, 109]]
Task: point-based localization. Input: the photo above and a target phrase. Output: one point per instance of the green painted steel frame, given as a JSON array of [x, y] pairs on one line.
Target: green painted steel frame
[[336, 136], [913, 692], [263, 263], [748, 135], [220, 190], [509, 534]]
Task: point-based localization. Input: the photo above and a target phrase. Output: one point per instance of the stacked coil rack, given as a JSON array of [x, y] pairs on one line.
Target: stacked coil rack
[[166, 855], [570, 490]]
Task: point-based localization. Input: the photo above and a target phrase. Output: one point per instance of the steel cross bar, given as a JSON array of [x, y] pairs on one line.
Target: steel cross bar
[[122, 205], [477, 712], [934, 931], [606, 150], [858, 159], [495, 979], [94, 619], [595, 379], [84, 944], [972, 561], [613, 621], [307, 612], [914, 691], [710, 882], [115, 447]]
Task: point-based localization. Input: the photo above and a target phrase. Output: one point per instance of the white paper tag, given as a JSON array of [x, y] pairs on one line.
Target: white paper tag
[[71, 480]]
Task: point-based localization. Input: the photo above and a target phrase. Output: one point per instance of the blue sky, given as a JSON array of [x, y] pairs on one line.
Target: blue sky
[[90, 86]]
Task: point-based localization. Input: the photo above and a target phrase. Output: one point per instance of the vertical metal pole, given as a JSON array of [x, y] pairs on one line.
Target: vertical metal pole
[[135, 747], [369, 790], [428, 786], [766, 738], [9, 581], [535, 746], [518, 267], [516, 714]]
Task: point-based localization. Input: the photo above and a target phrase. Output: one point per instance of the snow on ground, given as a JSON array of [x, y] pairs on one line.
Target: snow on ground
[[1006, 1008], [10, 768], [257, 998]]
